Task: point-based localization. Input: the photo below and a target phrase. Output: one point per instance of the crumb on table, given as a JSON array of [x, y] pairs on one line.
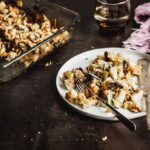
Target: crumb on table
[[104, 138]]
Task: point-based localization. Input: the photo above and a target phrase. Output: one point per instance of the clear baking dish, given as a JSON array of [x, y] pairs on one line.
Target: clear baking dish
[[66, 20]]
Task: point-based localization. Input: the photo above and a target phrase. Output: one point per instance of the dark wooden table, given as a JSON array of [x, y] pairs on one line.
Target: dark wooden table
[[34, 117]]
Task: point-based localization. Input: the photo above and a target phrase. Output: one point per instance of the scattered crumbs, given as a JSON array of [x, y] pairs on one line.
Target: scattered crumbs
[[24, 136], [48, 64], [36, 85], [92, 47], [60, 136], [38, 78], [41, 124], [66, 114], [31, 139], [39, 132], [104, 138], [82, 139], [35, 108]]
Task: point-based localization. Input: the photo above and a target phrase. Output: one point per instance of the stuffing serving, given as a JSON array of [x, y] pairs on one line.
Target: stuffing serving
[[116, 83], [20, 30]]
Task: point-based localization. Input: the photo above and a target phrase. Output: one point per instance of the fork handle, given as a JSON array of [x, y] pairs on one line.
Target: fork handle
[[129, 124], [148, 111]]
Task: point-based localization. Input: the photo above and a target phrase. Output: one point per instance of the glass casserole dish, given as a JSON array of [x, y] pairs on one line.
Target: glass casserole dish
[[65, 20]]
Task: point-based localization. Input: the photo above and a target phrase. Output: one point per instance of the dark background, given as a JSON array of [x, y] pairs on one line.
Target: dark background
[[34, 117]]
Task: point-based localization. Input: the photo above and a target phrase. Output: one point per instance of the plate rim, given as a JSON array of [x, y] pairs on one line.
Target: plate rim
[[113, 118]]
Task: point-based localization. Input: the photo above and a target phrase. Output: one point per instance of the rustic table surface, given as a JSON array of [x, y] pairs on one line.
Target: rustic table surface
[[33, 115]]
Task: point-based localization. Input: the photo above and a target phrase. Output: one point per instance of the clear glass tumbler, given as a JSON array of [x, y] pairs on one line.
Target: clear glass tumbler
[[112, 14]]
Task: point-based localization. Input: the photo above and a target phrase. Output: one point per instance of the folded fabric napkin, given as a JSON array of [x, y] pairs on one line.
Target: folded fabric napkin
[[140, 38]]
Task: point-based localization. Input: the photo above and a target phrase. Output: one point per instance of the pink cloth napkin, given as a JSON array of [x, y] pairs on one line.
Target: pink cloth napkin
[[140, 38], [142, 13]]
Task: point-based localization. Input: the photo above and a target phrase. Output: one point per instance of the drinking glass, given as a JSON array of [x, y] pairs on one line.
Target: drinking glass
[[112, 14]]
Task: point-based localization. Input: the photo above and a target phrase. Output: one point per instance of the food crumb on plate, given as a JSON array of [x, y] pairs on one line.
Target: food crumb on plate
[[104, 138]]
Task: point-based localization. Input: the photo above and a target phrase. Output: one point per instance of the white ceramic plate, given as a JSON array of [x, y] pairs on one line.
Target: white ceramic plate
[[83, 60]]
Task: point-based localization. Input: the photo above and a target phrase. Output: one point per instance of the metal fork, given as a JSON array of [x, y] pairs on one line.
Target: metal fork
[[81, 86]]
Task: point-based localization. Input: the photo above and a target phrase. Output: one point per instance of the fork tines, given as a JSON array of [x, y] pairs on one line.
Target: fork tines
[[81, 86]]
